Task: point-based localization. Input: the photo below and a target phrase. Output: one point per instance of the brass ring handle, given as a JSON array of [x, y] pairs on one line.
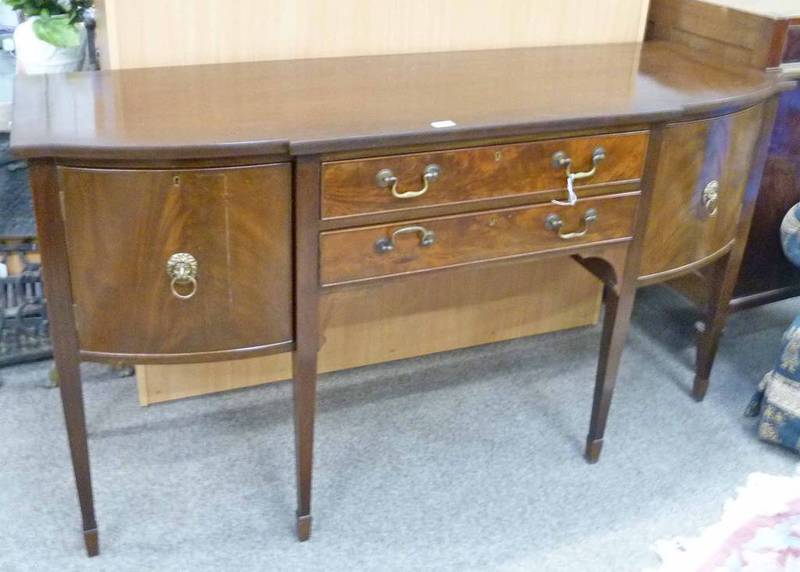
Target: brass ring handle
[[556, 223], [711, 198], [386, 178], [188, 280], [182, 269], [563, 161], [426, 238]]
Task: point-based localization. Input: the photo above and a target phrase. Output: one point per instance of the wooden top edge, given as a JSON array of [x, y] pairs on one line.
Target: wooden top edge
[[340, 104]]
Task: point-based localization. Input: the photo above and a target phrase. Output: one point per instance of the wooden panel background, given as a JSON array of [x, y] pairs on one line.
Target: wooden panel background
[[145, 33], [369, 326], [409, 317]]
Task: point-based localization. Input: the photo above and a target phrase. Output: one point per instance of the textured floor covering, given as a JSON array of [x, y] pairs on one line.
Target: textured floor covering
[[468, 460]]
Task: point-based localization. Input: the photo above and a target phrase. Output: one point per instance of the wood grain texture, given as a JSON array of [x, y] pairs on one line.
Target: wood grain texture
[[351, 255], [497, 171], [681, 231], [378, 322], [309, 106], [123, 226], [149, 33]]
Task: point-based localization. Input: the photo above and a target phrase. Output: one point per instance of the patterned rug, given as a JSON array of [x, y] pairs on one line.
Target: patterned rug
[[759, 532]]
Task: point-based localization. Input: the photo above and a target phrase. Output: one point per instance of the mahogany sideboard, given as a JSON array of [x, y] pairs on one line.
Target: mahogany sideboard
[[206, 208]]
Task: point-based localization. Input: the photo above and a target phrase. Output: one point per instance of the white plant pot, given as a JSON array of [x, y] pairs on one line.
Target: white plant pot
[[35, 56]]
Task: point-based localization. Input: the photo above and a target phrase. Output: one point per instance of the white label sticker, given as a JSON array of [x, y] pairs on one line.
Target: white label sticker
[[444, 123]]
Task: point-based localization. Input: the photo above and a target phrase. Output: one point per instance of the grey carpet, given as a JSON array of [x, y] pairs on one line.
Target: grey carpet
[[468, 460]]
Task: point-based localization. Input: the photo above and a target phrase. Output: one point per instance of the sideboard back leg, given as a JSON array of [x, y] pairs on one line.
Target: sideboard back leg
[[306, 334], [64, 333], [721, 278]]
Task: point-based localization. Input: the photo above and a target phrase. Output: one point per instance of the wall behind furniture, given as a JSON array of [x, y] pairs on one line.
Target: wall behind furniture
[[146, 33], [476, 308]]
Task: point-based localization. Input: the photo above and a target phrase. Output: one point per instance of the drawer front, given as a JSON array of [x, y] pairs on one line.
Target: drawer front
[[699, 159], [418, 245], [124, 226], [366, 186]]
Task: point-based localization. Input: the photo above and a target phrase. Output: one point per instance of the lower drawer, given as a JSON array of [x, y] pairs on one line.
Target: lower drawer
[[418, 245]]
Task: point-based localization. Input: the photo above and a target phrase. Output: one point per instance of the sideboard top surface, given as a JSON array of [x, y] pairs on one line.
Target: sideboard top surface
[[325, 105]]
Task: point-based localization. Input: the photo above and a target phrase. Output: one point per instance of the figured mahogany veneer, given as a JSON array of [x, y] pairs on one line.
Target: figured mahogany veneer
[[352, 255], [466, 175], [123, 226], [131, 167], [682, 231]]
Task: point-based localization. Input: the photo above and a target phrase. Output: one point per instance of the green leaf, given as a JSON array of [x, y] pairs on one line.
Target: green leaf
[[57, 30]]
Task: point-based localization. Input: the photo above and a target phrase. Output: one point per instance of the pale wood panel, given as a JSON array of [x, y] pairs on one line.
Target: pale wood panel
[[406, 318], [144, 33], [476, 309]]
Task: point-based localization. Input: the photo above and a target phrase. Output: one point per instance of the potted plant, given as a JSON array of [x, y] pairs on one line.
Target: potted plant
[[52, 38]]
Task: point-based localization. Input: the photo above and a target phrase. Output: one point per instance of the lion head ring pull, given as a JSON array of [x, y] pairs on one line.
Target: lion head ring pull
[[556, 224], [563, 161], [711, 198], [182, 270], [387, 179], [426, 238]]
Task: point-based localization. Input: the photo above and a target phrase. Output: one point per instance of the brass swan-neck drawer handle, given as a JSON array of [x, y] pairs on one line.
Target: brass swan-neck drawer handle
[[426, 238], [563, 161], [556, 223], [182, 269], [711, 198], [387, 179]]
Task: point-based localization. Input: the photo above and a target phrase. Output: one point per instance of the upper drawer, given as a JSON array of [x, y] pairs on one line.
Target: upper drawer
[[385, 250], [364, 186], [179, 261]]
